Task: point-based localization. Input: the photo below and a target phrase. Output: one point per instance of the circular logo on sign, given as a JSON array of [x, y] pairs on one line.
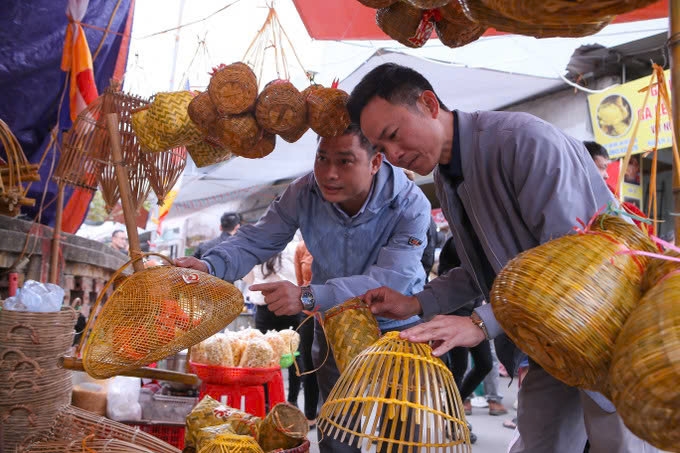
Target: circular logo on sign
[[614, 115]]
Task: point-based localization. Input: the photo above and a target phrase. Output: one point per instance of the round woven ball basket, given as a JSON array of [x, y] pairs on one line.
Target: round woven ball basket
[[458, 33], [203, 112], [559, 12], [564, 303], [281, 108], [375, 4], [208, 152], [238, 133], [327, 113], [429, 4], [233, 89], [490, 18], [262, 148], [400, 22], [645, 370]]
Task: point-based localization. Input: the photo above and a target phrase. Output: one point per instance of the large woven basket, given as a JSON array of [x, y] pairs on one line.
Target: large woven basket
[[658, 269], [490, 18], [559, 12], [238, 133], [396, 396], [153, 314], [564, 302], [233, 89], [284, 427], [455, 29], [327, 113], [645, 370], [208, 152], [350, 328], [281, 108], [203, 112], [405, 23]]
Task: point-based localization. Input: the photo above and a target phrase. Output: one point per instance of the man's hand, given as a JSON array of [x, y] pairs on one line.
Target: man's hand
[[389, 303], [446, 332], [191, 263], [282, 298]]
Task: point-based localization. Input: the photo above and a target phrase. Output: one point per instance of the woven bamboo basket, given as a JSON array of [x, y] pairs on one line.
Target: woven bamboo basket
[[558, 12], [296, 134], [658, 269], [327, 113], [455, 29], [238, 133], [12, 175], [208, 152], [203, 112], [231, 443], [376, 4], [490, 18], [645, 370], [565, 301], [153, 314], [75, 166], [284, 427], [86, 444], [405, 23], [350, 328], [233, 89], [72, 423], [428, 4], [396, 396], [262, 148], [281, 108], [163, 170]]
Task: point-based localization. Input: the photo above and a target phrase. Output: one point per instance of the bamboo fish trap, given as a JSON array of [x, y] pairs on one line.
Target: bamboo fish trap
[[396, 396], [13, 173], [645, 371], [163, 170], [86, 444], [565, 301]]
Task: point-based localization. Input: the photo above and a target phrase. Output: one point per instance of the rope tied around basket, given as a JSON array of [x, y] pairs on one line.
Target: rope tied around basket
[[315, 313], [279, 426], [426, 26]]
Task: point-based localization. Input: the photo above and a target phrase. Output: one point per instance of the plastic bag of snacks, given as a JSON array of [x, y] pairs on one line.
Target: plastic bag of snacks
[[216, 350], [209, 412], [257, 354], [291, 340]]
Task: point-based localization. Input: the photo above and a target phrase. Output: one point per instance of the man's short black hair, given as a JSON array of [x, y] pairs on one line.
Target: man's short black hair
[[355, 129], [595, 149], [115, 232], [395, 83], [229, 221]]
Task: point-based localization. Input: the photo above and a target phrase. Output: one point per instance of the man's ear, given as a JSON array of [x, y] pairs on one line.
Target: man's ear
[[376, 162], [430, 103]]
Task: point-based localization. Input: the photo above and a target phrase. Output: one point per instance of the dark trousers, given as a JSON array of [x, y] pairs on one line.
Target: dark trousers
[[483, 364]]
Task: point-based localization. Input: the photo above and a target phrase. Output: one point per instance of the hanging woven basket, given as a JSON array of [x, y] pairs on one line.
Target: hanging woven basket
[[280, 108], [233, 89], [208, 152], [327, 113], [264, 146], [645, 370], [238, 133], [163, 170], [284, 427], [490, 18], [409, 25], [396, 396], [455, 29], [560, 12], [14, 171], [564, 302], [203, 112], [350, 328]]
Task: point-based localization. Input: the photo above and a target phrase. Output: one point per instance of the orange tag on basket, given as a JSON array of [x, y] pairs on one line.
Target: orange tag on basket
[[426, 27], [191, 278]]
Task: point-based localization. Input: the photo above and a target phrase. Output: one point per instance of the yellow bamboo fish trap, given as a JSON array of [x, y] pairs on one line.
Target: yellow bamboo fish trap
[[645, 370], [350, 328], [15, 170], [163, 169], [396, 396], [327, 113], [281, 108], [233, 89], [231, 443], [565, 301], [154, 313]]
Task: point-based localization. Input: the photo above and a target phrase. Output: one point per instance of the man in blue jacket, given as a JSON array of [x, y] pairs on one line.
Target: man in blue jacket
[[362, 220], [507, 182]]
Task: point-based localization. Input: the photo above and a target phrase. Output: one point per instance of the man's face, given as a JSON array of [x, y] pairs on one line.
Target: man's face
[[119, 241], [344, 171], [602, 163], [411, 138]]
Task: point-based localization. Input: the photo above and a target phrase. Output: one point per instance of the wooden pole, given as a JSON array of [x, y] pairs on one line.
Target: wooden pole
[[674, 52], [72, 363], [125, 190], [56, 238]]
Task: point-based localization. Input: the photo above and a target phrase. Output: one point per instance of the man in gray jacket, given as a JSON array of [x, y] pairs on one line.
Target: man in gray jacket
[[507, 182]]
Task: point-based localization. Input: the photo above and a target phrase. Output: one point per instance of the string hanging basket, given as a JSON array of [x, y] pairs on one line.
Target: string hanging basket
[[455, 29], [233, 89], [350, 328], [208, 152], [396, 396], [280, 108], [284, 427], [203, 112], [409, 25], [155, 313], [565, 301], [238, 133], [645, 370], [327, 113], [428, 4], [376, 4], [558, 12], [164, 169], [262, 148], [490, 18]]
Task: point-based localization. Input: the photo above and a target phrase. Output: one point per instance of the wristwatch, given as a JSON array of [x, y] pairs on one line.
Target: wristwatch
[[307, 298], [479, 322]]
